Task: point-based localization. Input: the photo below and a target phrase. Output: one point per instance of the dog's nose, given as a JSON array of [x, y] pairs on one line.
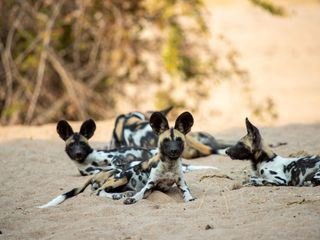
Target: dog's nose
[[174, 151], [79, 154], [227, 151]]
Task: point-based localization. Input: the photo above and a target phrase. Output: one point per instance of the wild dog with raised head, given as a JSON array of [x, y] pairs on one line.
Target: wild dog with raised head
[[89, 160], [271, 169], [125, 177], [168, 170], [133, 129]]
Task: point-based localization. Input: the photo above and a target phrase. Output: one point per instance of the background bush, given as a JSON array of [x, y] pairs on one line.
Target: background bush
[[72, 59]]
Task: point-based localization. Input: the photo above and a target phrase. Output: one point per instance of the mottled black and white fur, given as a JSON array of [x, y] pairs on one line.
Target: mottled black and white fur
[[123, 177], [271, 169], [168, 170], [133, 129], [90, 161]]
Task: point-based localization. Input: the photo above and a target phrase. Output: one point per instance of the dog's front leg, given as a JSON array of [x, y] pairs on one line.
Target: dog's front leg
[[151, 162], [316, 178], [182, 185], [143, 193]]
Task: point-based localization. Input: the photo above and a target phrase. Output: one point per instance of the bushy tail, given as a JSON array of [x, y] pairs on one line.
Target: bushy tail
[[61, 198], [189, 168]]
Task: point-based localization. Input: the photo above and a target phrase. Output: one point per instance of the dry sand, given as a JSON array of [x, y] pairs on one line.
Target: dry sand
[[282, 54], [36, 169]]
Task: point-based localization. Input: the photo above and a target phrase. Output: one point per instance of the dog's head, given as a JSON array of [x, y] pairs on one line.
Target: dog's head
[[171, 140], [247, 146], [77, 146]]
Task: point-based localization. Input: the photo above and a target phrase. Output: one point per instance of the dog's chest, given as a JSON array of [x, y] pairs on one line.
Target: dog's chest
[[168, 174]]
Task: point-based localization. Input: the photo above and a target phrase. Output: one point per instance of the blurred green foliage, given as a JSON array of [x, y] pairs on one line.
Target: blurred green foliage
[[71, 59], [270, 7], [92, 47]]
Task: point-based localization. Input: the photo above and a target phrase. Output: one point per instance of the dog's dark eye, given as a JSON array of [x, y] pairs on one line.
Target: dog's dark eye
[[82, 143], [179, 139], [166, 140], [71, 144]]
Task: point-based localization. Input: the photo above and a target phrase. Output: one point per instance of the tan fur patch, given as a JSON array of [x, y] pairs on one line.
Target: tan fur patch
[[71, 140], [119, 129], [155, 159], [193, 143], [167, 133], [102, 177], [247, 141], [133, 120], [114, 183]]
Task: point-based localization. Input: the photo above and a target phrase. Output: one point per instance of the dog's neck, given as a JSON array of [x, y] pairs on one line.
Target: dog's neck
[[263, 154], [167, 161]]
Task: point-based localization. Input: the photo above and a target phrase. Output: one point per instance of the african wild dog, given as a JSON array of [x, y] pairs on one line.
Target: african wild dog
[[140, 121], [133, 129], [123, 181], [124, 177], [270, 168], [89, 160], [168, 169]]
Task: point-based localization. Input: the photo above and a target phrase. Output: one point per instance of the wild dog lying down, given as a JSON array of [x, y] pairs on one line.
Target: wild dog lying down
[[168, 170], [89, 160], [123, 181], [133, 129], [127, 177], [269, 168]]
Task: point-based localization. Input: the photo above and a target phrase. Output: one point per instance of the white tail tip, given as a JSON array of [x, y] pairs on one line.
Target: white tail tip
[[222, 151], [189, 168], [54, 202]]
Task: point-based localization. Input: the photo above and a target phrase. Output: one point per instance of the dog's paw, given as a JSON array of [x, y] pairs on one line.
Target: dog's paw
[[129, 194], [94, 186], [117, 196], [253, 182], [129, 200]]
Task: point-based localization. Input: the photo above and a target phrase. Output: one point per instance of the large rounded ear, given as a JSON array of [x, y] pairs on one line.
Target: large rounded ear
[[253, 132], [159, 123], [184, 123], [64, 129], [87, 128]]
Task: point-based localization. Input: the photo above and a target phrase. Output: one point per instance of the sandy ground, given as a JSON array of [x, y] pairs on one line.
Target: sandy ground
[[36, 169], [282, 55]]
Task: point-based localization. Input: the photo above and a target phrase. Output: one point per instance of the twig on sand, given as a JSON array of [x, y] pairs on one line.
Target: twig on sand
[[302, 201], [203, 198], [302, 153], [215, 176], [225, 202]]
